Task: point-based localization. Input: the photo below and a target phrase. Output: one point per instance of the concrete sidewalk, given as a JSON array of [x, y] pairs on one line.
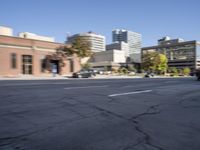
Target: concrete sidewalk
[[58, 77], [115, 77], [34, 78]]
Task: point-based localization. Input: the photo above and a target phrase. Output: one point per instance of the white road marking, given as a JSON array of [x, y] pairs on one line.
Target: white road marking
[[84, 87], [128, 86], [136, 92], [171, 82]]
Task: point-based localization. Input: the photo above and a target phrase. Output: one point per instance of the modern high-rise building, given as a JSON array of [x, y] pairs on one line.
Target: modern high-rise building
[[96, 41], [133, 39]]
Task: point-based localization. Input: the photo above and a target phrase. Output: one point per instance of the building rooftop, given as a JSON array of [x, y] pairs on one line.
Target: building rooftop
[[7, 31], [170, 45], [28, 35]]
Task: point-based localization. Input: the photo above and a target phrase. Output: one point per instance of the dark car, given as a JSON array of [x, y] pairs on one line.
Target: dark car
[[84, 73], [149, 75], [198, 74]]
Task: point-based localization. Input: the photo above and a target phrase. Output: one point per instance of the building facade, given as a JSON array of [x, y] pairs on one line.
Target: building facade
[[119, 46], [115, 56], [96, 41], [180, 53], [23, 56], [133, 39], [109, 59]]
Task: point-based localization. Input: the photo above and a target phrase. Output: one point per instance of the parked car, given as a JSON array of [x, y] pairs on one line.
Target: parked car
[[84, 73], [149, 75], [99, 70], [198, 74]]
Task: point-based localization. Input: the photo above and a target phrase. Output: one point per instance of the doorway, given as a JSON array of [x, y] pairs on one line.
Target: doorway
[[55, 66], [27, 64]]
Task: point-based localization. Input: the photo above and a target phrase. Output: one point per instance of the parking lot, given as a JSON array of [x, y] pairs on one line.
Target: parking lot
[[100, 114]]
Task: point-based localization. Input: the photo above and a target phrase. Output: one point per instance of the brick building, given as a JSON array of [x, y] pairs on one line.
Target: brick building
[[23, 56]]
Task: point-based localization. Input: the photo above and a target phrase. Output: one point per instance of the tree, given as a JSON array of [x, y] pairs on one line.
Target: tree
[[81, 48], [148, 61], [86, 66], [78, 47], [161, 63], [173, 71], [155, 62], [186, 71]]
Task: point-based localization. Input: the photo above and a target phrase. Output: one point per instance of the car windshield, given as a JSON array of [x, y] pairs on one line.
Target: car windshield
[[86, 70]]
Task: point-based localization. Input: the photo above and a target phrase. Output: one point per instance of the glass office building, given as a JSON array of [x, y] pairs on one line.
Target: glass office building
[[133, 39], [180, 54]]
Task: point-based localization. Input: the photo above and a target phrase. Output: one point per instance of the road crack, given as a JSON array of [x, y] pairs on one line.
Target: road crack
[[152, 110]]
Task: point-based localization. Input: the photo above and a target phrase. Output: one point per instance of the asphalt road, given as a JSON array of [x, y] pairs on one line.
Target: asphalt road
[[118, 114]]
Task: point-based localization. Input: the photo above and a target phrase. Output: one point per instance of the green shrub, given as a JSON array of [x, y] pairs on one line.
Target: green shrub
[[124, 71], [186, 71]]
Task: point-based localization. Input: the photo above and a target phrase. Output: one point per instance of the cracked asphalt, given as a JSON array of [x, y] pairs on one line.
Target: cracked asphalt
[[80, 114]]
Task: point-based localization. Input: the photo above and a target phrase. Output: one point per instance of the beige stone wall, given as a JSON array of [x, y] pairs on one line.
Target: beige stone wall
[[116, 56]]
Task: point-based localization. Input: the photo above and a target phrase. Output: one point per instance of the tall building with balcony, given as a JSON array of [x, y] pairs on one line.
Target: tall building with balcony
[[180, 53], [133, 39], [96, 41]]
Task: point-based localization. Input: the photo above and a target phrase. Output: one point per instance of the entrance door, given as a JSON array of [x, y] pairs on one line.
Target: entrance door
[[55, 66], [27, 64]]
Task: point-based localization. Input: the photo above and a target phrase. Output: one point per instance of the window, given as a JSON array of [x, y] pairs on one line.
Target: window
[[27, 64], [13, 61]]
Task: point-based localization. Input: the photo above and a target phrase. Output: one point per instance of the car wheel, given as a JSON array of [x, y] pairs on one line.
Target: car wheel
[[79, 76], [92, 75]]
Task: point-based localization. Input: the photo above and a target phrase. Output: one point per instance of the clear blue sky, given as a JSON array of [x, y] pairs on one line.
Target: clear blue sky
[[152, 18]]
